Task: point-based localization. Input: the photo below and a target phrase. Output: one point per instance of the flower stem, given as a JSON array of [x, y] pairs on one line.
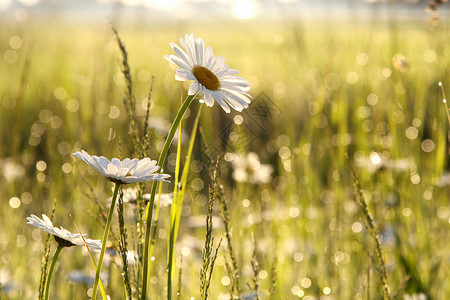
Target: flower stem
[[149, 211], [52, 267], [105, 239]]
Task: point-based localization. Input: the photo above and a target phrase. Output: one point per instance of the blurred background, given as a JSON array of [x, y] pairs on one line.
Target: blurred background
[[327, 77], [151, 11]]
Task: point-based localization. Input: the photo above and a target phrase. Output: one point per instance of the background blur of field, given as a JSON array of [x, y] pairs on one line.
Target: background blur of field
[[367, 86]]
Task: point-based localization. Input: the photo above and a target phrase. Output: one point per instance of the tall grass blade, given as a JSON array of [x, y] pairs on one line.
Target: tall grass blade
[[91, 256], [149, 211]]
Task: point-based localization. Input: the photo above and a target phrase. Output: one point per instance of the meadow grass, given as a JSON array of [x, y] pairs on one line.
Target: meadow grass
[[369, 90]]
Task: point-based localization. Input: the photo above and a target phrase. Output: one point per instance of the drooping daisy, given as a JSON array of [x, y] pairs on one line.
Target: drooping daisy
[[64, 239], [61, 235], [211, 76], [123, 171]]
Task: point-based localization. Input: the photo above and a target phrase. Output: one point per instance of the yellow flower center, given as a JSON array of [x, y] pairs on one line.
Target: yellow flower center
[[128, 175], [206, 78]]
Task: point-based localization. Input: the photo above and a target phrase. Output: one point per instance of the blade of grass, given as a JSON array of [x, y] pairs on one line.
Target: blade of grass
[[149, 211], [45, 259], [104, 240], [173, 210], [178, 195], [155, 226], [102, 290]]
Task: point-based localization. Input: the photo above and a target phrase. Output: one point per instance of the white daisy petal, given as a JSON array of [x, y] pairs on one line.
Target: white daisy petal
[[199, 51], [126, 163], [194, 88], [103, 162], [209, 100], [183, 75], [112, 169], [209, 58], [178, 61], [47, 220], [222, 103], [188, 45], [182, 55], [236, 100], [143, 164], [231, 86], [122, 172], [219, 63], [239, 81], [227, 72], [116, 162]]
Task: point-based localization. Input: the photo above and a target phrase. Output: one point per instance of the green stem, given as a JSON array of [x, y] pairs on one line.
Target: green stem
[[170, 262], [52, 267], [155, 225], [105, 239], [149, 211], [172, 218], [177, 202]]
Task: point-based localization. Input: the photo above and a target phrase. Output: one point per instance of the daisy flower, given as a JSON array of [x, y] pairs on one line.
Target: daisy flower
[[120, 172], [123, 171], [61, 235], [211, 76]]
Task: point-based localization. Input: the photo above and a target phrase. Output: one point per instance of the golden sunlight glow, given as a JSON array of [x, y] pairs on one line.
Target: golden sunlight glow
[[131, 2], [29, 2], [163, 4], [4, 4], [244, 9]]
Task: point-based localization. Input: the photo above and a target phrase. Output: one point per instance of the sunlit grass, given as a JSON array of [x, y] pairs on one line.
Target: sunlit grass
[[333, 89]]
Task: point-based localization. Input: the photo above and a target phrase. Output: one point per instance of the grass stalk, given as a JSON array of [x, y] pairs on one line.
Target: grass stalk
[[149, 211], [233, 268], [174, 207], [104, 240], [209, 256], [155, 226], [102, 290], [45, 259], [52, 268], [373, 231], [180, 271], [273, 279], [178, 195], [123, 247], [255, 268], [444, 100], [128, 100]]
